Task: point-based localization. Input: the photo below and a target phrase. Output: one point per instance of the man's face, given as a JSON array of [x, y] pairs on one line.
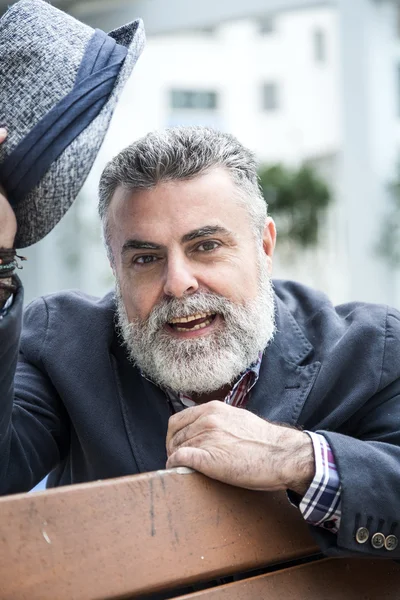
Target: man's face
[[192, 281]]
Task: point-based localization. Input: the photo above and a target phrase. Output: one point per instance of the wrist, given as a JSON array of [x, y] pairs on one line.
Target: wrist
[[299, 465], [7, 287], [7, 243], [8, 264]]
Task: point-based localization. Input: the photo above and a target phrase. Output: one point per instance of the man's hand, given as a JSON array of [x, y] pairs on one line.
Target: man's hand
[[237, 447], [8, 222]]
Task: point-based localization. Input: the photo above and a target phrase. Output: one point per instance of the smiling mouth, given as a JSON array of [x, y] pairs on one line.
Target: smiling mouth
[[192, 322]]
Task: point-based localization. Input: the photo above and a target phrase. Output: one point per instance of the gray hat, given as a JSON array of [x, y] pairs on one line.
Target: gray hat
[[60, 82]]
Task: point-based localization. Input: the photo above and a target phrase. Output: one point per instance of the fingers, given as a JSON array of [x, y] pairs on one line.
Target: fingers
[[186, 457], [179, 433], [178, 422], [3, 133], [185, 424]]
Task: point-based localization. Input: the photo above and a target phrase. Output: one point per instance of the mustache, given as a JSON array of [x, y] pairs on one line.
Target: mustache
[[171, 308]]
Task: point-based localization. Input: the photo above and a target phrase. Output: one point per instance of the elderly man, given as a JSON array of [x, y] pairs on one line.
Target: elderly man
[[198, 360]]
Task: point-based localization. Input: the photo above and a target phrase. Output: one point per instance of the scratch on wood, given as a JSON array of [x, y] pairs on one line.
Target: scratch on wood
[[153, 529], [171, 526], [222, 545], [169, 514], [162, 483], [46, 537]]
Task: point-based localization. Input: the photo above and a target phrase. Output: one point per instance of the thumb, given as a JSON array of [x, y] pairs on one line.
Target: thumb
[[186, 456]]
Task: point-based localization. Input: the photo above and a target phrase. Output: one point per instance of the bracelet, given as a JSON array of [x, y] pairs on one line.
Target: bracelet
[[9, 262], [10, 265], [7, 270]]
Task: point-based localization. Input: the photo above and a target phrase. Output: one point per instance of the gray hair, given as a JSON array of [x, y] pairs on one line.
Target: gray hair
[[181, 153]]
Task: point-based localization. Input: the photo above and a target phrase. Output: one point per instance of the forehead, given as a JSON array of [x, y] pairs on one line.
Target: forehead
[[176, 207]]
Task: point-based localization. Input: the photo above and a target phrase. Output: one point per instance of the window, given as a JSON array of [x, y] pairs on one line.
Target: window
[[320, 46], [270, 99], [267, 26], [193, 99]]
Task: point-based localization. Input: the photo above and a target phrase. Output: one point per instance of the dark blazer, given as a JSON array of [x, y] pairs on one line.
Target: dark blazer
[[78, 408]]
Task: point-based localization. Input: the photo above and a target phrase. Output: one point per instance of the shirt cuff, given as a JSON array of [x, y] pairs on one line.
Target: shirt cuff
[[321, 504]]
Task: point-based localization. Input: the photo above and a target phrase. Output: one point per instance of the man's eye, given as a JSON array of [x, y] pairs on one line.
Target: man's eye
[[145, 259], [207, 246]]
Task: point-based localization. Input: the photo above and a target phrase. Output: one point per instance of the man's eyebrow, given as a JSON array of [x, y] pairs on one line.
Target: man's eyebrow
[[139, 245], [205, 231]]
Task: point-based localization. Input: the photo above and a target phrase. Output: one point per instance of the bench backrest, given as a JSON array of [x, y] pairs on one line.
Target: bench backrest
[[153, 533]]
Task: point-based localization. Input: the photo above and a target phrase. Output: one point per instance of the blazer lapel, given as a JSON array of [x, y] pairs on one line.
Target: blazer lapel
[[285, 381], [145, 410]]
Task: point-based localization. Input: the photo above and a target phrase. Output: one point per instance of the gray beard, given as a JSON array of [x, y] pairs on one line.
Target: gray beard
[[208, 363]]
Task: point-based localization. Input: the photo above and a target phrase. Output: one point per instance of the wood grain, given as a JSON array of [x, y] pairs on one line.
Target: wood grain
[[124, 537], [330, 579]]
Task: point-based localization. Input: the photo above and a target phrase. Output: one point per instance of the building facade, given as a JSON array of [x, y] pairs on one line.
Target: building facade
[[276, 82]]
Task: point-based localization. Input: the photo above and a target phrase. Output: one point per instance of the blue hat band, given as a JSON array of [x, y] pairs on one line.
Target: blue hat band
[[27, 164]]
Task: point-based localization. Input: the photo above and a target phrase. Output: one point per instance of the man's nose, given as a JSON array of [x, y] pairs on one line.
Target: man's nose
[[179, 278]]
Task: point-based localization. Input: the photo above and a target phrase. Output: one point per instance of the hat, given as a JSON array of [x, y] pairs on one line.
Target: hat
[[60, 81]]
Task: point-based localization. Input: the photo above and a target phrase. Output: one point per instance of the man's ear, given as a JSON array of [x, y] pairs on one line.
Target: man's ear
[[269, 240]]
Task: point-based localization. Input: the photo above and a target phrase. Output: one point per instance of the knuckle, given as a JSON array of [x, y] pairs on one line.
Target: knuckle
[[213, 422], [215, 405], [173, 419]]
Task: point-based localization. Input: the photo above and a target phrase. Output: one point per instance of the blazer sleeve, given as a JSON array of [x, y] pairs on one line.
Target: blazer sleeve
[[369, 464], [33, 421]]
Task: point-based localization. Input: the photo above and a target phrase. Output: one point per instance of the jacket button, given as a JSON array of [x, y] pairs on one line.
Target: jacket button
[[391, 542], [378, 540], [362, 535]]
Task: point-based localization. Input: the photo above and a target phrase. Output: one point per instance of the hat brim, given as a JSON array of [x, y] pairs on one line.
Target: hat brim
[[48, 202]]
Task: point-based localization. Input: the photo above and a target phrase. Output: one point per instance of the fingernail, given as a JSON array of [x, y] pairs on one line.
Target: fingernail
[[3, 131]]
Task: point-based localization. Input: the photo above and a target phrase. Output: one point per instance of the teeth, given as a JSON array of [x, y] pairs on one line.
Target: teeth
[[190, 318], [200, 326]]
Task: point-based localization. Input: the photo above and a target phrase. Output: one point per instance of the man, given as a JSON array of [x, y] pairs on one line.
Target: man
[[207, 364]]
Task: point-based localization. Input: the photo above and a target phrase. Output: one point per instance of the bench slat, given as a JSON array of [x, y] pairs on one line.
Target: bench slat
[[329, 579], [134, 535]]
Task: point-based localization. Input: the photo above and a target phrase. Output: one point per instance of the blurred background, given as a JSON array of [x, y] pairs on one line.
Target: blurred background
[[313, 87]]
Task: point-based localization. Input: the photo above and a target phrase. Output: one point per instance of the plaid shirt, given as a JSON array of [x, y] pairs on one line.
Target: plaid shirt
[[321, 504]]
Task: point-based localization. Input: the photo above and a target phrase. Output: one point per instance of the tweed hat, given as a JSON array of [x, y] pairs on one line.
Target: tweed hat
[[60, 81]]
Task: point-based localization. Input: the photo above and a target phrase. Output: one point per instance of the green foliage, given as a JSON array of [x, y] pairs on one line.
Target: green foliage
[[297, 200], [389, 243]]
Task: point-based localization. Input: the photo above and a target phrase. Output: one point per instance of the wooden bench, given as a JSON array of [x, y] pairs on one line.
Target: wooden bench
[[164, 531]]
